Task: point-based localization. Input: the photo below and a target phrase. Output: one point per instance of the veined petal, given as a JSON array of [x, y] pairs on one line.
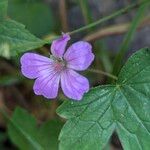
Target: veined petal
[[79, 56], [34, 65], [59, 45], [73, 84], [47, 85]]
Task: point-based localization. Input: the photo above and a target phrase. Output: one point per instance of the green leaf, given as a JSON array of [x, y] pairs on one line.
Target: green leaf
[[124, 107], [14, 39], [44, 22], [25, 133], [3, 9], [90, 123]]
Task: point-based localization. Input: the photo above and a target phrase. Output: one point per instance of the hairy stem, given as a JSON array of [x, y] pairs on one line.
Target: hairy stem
[[115, 14], [103, 72]]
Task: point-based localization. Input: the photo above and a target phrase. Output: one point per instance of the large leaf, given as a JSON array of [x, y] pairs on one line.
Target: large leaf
[[36, 15], [14, 39], [24, 132], [124, 107]]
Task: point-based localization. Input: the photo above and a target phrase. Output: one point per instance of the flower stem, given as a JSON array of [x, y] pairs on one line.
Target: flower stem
[[102, 72], [117, 13]]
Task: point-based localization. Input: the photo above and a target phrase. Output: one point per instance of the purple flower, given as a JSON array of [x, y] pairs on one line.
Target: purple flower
[[59, 68]]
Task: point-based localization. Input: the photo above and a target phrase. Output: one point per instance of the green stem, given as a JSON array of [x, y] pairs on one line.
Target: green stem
[[117, 13], [102, 72], [85, 11], [91, 25]]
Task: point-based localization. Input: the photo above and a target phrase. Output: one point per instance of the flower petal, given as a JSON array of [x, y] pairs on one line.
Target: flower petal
[[73, 84], [79, 56], [34, 65], [59, 45], [47, 85]]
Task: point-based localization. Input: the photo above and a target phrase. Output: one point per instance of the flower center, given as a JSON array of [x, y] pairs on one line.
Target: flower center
[[59, 65]]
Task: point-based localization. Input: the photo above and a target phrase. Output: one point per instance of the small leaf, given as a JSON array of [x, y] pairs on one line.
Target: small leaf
[[3, 9], [14, 39], [24, 132], [124, 107]]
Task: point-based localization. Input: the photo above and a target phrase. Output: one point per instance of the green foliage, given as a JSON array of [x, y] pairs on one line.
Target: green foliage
[[3, 9], [35, 15], [14, 38], [25, 133], [124, 107]]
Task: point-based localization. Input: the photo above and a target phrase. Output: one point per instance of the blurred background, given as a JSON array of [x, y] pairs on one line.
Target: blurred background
[[47, 19]]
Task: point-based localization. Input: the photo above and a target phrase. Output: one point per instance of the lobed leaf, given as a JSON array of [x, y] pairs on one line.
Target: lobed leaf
[[124, 107]]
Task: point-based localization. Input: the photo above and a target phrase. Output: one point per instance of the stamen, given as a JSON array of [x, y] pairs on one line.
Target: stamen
[[59, 65]]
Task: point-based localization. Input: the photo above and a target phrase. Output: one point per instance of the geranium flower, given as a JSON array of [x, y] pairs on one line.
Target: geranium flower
[[59, 68]]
